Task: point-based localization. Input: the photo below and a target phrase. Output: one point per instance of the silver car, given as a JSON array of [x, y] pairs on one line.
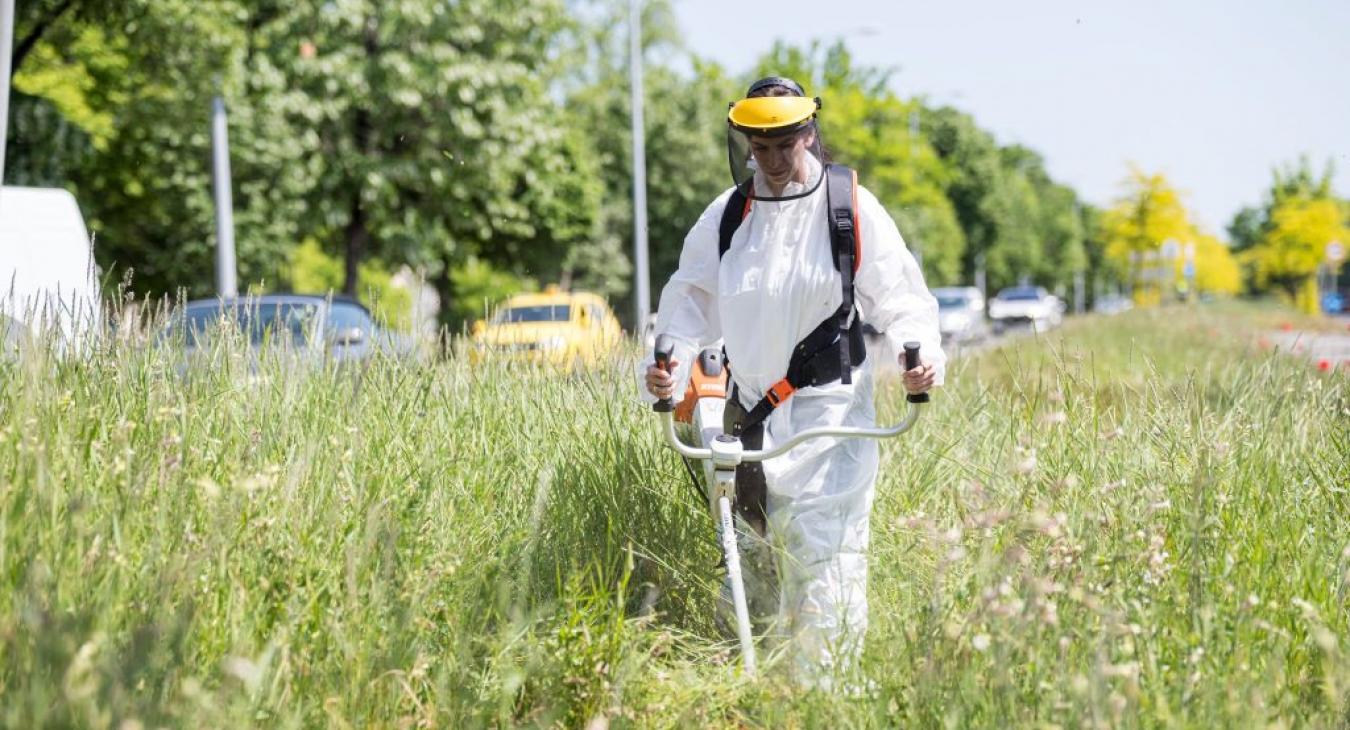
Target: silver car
[[310, 326], [961, 314]]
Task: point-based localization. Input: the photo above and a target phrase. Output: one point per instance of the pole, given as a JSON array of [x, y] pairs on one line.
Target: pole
[[226, 284], [641, 274], [1079, 292], [980, 280], [6, 45]]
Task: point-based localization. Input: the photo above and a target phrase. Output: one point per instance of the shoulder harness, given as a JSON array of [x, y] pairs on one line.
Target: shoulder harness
[[836, 345]]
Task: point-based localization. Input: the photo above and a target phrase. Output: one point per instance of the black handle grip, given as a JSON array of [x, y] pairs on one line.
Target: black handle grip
[[665, 347], [911, 362]]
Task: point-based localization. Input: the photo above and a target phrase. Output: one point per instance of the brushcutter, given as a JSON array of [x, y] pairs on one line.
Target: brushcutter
[[720, 453]]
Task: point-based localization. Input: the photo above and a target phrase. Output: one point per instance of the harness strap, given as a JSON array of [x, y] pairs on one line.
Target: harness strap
[[815, 361], [737, 208], [845, 238], [836, 345]]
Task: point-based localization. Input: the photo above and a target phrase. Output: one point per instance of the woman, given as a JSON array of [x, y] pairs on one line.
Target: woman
[[775, 288]]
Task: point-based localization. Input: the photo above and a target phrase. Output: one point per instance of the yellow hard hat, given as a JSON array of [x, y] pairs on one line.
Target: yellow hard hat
[[771, 116]]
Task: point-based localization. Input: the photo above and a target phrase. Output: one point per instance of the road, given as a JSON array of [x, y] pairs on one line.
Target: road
[[1327, 350], [888, 363]]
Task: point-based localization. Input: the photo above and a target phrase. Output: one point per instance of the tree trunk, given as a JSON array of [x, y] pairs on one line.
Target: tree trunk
[[358, 240], [445, 295], [358, 233], [39, 29]]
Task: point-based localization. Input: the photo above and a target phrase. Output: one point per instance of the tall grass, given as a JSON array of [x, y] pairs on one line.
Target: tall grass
[[1136, 521]]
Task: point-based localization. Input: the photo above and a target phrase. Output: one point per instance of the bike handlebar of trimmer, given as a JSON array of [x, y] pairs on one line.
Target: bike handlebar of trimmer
[[664, 348]]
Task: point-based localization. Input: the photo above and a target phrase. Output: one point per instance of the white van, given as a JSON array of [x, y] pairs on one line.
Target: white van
[[47, 273]]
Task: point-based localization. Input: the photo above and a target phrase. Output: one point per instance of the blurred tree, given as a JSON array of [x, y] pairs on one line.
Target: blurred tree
[[1246, 228], [1104, 274], [1149, 214], [1052, 245], [312, 271], [1255, 226], [1023, 224], [137, 81], [1288, 255], [1216, 268], [43, 148], [35, 20], [430, 132], [685, 117]]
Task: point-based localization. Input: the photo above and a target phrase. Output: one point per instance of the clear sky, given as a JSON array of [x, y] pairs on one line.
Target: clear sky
[[1212, 93]]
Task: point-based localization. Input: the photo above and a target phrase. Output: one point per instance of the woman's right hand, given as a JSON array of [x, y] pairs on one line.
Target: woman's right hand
[[661, 383]]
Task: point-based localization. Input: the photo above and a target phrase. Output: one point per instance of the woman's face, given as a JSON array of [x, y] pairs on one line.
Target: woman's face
[[780, 158]]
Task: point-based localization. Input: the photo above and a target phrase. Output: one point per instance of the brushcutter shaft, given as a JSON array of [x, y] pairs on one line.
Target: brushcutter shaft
[[731, 551]]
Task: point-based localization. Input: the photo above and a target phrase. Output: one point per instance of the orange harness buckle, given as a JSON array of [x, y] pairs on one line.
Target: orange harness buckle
[[779, 392]]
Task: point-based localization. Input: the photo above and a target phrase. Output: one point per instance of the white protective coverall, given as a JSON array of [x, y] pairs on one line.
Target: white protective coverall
[[775, 284]]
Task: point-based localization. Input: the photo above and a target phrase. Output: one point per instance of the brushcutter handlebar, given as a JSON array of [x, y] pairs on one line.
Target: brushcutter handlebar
[[911, 362], [730, 457], [730, 453], [665, 347]]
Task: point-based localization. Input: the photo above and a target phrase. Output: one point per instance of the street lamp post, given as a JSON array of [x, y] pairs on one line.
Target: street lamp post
[[6, 44], [641, 269], [226, 282], [1334, 255]]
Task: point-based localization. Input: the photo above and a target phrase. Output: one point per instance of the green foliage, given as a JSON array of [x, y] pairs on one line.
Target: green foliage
[[435, 135], [430, 130], [312, 271], [1284, 240], [1017, 220], [685, 146], [43, 148], [413, 132], [1289, 254], [141, 90], [482, 287]]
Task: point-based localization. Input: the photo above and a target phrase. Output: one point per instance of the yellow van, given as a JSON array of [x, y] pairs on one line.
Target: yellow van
[[555, 327]]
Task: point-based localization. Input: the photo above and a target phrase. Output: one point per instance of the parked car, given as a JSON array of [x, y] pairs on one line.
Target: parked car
[[1112, 304], [307, 325], [555, 327], [1026, 305], [961, 314]]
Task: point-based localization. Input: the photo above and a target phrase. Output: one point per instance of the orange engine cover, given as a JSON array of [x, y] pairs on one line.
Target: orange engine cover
[[707, 379]]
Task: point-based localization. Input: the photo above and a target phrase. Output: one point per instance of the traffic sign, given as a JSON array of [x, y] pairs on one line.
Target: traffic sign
[[1335, 252], [1171, 249]]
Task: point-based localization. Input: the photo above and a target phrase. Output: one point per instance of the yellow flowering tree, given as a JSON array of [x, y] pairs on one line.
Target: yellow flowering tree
[[1147, 215], [1216, 269], [1288, 255]]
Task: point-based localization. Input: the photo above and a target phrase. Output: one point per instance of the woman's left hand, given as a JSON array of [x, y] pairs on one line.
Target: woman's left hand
[[920, 379]]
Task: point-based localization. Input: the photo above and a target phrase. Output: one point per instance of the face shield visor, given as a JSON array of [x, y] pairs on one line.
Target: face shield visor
[[773, 147]]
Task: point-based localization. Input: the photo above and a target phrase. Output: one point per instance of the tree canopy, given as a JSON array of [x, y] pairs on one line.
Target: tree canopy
[[1150, 235], [487, 146]]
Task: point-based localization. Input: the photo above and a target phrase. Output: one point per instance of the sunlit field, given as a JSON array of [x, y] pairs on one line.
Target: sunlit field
[[1140, 520]]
